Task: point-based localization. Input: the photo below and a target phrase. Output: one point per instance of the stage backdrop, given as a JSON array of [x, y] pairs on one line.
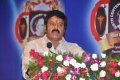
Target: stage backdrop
[[78, 13]]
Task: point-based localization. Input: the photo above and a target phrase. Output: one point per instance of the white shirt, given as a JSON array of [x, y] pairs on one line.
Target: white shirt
[[40, 45]]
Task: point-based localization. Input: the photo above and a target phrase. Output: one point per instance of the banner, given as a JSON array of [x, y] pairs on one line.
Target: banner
[[106, 30]]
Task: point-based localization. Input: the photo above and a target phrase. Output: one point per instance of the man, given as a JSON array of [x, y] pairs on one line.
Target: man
[[23, 28], [55, 26]]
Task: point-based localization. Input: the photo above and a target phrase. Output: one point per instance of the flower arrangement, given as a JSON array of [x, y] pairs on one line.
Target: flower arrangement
[[105, 67], [68, 67]]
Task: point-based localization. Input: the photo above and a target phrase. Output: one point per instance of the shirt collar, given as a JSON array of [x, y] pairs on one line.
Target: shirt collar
[[47, 40]]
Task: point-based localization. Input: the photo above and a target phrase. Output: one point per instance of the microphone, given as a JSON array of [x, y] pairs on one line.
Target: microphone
[[49, 45]]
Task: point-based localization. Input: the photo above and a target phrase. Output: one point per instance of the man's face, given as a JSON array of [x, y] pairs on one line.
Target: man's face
[[23, 27], [40, 24], [55, 28]]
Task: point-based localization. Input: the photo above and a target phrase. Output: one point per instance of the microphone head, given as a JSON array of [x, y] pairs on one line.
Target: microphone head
[[49, 45]]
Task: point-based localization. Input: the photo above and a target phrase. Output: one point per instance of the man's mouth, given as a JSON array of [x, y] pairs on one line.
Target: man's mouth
[[56, 31]]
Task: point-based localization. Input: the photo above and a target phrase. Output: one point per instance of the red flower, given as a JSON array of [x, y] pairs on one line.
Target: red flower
[[32, 51], [84, 71], [103, 78], [40, 57], [55, 77], [40, 62], [36, 77], [35, 55], [106, 68], [113, 72], [45, 75], [113, 63], [52, 62], [36, 74], [110, 78]]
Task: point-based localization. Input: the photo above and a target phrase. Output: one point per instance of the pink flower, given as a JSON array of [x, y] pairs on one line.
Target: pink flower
[[67, 57], [103, 78], [110, 78], [55, 77], [113, 72], [37, 74], [87, 58], [97, 60], [84, 71], [52, 62], [62, 72], [113, 63], [106, 68], [33, 53], [40, 57], [45, 75], [75, 71], [73, 78], [40, 62]]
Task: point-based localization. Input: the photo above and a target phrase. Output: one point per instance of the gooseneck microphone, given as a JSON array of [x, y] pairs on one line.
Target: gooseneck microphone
[[49, 45]]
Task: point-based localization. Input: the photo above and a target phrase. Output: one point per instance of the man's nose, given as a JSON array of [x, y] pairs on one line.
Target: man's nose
[[56, 26]]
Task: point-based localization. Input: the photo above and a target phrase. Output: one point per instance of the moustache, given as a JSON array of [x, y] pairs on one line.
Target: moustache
[[56, 30]]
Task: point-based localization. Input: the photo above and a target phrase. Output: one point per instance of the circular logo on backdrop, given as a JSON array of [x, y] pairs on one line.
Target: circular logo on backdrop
[[115, 16], [105, 25]]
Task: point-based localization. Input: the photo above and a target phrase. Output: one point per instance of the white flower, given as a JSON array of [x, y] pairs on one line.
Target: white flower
[[103, 55], [45, 53], [83, 65], [59, 58], [77, 65], [82, 79], [103, 64], [59, 69], [66, 63], [102, 73], [94, 67], [117, 74], [73, 62], [68, 77], [94, 56], [44, 68], [118, 63]]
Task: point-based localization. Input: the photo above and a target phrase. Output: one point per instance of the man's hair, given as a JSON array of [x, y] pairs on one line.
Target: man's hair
[[23, 21], [58, 14], [101, 11]]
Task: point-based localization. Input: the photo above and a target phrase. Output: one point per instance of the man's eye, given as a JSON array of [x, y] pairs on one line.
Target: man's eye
[[51, 24], [60, 24]]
